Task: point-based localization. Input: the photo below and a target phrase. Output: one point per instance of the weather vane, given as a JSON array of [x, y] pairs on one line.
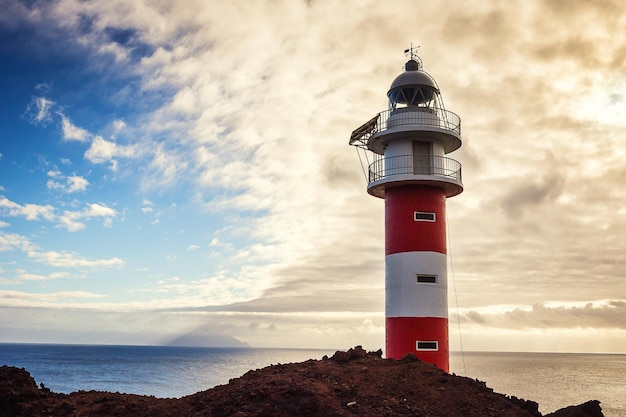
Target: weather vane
[[412, 52]]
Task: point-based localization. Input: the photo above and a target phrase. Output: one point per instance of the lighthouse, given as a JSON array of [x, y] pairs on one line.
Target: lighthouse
[[409, 169]]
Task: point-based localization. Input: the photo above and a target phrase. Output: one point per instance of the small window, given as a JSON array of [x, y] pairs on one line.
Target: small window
[[427, 345], [424, 216], [426, 279]]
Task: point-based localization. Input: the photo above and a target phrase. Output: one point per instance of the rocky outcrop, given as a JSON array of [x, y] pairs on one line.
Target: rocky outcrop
[[588, 409], [352, 383], [18, 391]]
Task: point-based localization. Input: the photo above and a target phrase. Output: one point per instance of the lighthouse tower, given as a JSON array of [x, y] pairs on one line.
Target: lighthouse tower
[[409, 171]]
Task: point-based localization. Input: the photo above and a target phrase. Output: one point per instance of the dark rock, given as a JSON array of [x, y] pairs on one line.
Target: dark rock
[[352, 354], [18, 391], [530, 406], [376, 354], [410, 357], [589, 409]]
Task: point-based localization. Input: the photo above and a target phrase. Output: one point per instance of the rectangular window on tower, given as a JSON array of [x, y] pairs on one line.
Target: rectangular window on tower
[[424, 216], [427, 345], [426, 279]]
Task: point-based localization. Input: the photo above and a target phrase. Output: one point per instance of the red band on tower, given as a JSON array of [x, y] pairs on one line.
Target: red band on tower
[[401, 339], [402, 232]]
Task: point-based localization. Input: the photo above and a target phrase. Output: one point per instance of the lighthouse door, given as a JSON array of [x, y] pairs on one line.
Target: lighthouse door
[[421, 158]]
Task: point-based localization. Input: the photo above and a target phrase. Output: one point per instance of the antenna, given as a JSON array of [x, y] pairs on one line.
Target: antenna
[[412, 53]]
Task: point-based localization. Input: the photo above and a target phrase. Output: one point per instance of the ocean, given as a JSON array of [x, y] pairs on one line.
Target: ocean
[[554, 380]]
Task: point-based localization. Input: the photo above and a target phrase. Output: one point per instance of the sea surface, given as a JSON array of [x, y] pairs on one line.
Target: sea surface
[[554, 380]]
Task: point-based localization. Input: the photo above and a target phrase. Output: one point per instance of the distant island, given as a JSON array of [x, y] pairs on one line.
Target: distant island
[[350, 383], [203, 339]]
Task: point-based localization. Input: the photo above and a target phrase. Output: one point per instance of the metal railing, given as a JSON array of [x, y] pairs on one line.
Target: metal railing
[[406, 116], [422, 116], [434, 165]]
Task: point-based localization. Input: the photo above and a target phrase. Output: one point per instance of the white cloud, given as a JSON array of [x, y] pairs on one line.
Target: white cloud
[[28, 211], [71, 220], [98, 210], [101, 151], [4, 224], [23, 276], [40, 110], [38, 300], [43, 87], [68, 221], [118, 125], [73, 132], [13, 241], [564, 317], [66, 184], [167, 167], [191, 248], [55, 173], [72, 260], [76, 183], [54, 185]]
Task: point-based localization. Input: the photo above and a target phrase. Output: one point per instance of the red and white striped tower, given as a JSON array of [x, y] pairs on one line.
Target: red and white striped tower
[[409, 170]]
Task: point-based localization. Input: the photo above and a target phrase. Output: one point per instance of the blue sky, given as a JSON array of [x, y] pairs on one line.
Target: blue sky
[[179, 170]]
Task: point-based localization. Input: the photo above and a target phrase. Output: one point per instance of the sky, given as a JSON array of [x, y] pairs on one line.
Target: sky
[[179, 172]]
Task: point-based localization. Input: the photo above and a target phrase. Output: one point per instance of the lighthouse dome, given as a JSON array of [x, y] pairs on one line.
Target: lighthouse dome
[[413, 87]]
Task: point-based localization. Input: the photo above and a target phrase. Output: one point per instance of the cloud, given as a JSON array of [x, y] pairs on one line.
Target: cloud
[[28, 211], [73, 132], [101, 151], [23, 276], [55, 173], [40, 111], [71, 219], [66, 184], [13, 241], [39, 300], [602, 314], [191, 248], [166, 167], [72, 260], [528, 193], [118, 125], [76, 183]]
